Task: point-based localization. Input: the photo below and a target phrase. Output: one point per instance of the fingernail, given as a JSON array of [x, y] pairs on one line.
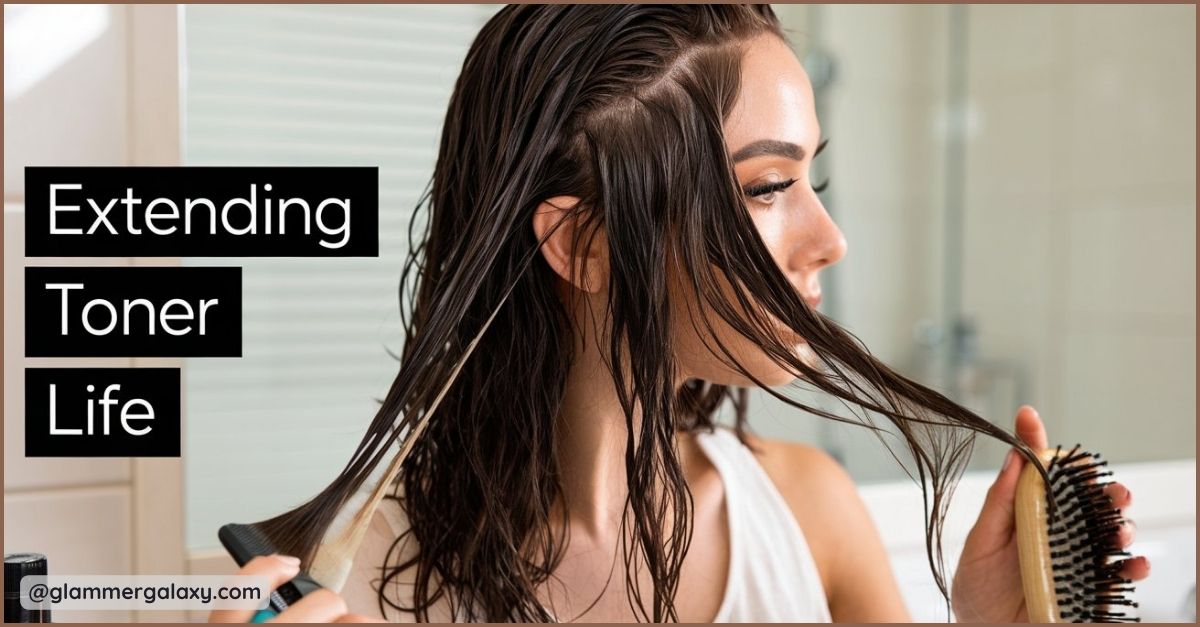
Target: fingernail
[[288, 559], [1008, 460]]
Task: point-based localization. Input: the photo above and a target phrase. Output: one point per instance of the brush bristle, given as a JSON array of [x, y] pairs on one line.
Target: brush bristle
[[1083, 532]]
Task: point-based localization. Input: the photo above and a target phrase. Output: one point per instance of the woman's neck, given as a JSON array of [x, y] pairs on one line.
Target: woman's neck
[[591, 443]]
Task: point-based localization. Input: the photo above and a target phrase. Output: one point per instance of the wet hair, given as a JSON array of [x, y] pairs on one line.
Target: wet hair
[[623, 107]]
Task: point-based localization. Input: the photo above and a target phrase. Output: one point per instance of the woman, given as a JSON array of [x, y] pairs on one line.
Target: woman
[[627, 188]]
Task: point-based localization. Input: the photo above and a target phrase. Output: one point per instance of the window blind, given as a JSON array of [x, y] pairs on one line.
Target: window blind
[[307, 85]]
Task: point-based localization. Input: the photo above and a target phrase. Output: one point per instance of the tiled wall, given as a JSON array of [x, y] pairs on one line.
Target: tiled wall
[[1081, 216], [78, 512], [1078, 248]]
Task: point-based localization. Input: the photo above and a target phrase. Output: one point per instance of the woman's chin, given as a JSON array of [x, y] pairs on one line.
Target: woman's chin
[[807, 356], [775, 375], [785, 376]]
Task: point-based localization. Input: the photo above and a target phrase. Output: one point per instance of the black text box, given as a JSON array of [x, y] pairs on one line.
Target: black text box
[[135, 412], [172, 312], [145, 211]]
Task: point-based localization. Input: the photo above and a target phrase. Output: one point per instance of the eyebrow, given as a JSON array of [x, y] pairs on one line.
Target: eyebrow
[[765, 147]]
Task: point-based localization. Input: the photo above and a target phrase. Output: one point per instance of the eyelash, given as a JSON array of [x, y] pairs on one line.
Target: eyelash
[[771, 188]]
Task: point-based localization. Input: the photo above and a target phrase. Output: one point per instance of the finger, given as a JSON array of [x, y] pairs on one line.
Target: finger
[[278, 569], [996, 519], [1030, 429], [1126, 533], [1136, 568], [318, 606], [1120, 495]]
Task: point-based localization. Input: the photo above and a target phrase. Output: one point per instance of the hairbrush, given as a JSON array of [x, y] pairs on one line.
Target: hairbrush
[[1067, 542]]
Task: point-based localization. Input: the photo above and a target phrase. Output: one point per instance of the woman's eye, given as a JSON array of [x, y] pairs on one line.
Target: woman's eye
[[766, 192]]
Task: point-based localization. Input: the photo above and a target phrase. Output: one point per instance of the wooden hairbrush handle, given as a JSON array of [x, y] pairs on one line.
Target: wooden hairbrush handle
[[1071, 571], [1033, 544]]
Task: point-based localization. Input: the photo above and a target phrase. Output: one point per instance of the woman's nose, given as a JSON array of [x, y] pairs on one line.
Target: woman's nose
[[818, 242]]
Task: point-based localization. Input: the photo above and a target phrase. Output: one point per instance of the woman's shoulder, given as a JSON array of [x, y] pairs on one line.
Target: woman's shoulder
[[800, 469], [385, 546], [366, 574]]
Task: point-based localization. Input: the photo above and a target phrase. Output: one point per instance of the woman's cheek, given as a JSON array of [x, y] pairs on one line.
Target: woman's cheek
[[771, 229]]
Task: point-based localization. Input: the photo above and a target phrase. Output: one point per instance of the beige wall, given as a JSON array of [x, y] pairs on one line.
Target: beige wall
[[1078, 249], [95, 106], [76, 511], [1081, 216]]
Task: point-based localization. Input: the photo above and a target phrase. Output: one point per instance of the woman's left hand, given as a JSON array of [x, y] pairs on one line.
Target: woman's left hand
[[987, 583]]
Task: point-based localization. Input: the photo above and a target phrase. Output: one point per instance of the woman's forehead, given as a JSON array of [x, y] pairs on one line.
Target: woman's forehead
[[775, 100]]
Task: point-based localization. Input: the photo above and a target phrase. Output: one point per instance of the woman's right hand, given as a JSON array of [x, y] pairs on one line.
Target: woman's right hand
[[319, 606]]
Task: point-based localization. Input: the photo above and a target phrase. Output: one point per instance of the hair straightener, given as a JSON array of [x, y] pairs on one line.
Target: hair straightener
[[335, 556], [244, 543]]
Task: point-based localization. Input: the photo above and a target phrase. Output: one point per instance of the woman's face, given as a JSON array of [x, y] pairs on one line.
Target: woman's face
[[772, 135]]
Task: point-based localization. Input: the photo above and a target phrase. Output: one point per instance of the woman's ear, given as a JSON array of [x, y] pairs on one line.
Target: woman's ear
[[586, 268]]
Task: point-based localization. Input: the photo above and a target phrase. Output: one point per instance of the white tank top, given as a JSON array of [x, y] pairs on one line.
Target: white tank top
[[772, 576]]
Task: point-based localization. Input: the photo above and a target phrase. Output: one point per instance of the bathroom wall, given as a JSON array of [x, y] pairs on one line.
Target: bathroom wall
[[1076, 249], [80, 89], [363, 85], [1070, 210], [1079, 247], [40, 495]]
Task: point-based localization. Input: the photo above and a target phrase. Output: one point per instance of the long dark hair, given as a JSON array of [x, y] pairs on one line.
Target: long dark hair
[[623, 107]]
